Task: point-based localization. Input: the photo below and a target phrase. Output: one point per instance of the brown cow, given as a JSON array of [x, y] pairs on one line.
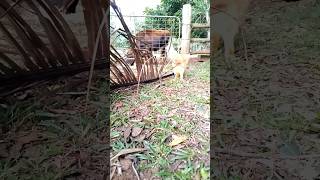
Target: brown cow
[[151, 40]]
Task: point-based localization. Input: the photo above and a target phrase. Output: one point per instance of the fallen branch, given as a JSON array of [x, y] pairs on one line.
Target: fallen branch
[[135, 171], [127, 151], [260, 156], [146, 81]]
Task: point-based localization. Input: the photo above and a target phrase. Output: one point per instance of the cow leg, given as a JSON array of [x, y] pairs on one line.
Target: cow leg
[[162, 53]]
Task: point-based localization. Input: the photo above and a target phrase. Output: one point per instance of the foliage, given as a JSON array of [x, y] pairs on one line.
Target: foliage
[[174, 8]]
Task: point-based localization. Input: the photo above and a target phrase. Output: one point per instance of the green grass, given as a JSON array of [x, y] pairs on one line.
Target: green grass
[[161, 102], [61, 136], [201, 72]]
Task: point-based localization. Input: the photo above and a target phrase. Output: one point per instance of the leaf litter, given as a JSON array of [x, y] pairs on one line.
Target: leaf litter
[[167, 118], [266, 107]]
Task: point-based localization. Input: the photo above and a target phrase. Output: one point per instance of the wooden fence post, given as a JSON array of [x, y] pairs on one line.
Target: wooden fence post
[[186, 29]]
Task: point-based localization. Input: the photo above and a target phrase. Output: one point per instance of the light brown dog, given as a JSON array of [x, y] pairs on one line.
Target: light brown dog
[[228, 16], [179, 62], [180, 66]]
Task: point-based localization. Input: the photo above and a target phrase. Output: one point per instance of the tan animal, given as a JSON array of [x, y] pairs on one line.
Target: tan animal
[[179, 62], [228, 16], [180, 67], [151, 40]]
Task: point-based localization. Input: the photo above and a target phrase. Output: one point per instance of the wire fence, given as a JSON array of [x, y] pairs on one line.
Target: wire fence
[[141, 25], [203, 46]]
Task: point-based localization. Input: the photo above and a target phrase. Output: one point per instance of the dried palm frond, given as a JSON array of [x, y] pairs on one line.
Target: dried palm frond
[[37, 43], [147, 67]]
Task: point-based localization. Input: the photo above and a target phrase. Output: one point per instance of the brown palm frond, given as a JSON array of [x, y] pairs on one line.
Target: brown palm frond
[[44, 49], [120, 69], [147, 67]]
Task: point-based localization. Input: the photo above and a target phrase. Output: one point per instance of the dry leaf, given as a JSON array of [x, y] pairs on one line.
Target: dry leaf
[[136, 131], [150, 133], [23, 139], [127, 133], [118, 105], [140, 138], [177, 140], [145, 112], [125, 163]]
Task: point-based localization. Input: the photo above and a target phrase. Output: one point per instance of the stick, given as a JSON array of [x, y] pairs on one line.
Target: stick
[[260, 156], [104, 19]]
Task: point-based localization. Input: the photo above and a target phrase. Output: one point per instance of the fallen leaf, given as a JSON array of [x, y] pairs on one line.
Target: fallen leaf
[[23, 139], [145, 112], [125, 163], [140, 138], [150, 133], [127, 133], [57, 161], [136, 131], [118, 105], [177, 140]]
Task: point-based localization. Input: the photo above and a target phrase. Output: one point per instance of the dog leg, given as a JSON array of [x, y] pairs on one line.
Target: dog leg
[[176, 76], [216, 43], [229, 49], [181, 76]]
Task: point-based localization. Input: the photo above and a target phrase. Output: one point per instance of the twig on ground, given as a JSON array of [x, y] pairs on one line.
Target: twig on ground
[[135, 171], [252, 155], [127, 151], [104, 19], [72, 93], [112, 172]]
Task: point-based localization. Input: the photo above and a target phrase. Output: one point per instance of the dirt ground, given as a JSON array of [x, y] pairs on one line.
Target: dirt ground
[[266, 117], [265, 123], [174, 112]]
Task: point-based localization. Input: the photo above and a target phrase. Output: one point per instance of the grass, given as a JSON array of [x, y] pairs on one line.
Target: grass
[[262, 107], [51, 137], [166, 110]]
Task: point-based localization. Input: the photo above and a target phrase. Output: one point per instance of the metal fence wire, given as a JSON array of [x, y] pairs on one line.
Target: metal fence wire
[[203, 46], [140, 26]]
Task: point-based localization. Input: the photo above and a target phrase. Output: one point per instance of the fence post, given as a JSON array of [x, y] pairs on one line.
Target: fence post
[[186, 29]]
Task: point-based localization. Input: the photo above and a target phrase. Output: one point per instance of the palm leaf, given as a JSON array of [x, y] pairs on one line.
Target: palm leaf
[[147, 67], [45, 54]]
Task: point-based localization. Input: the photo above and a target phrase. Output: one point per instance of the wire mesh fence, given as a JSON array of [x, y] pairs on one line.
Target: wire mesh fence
[[140, 27], [197, 32], [152, 35]]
